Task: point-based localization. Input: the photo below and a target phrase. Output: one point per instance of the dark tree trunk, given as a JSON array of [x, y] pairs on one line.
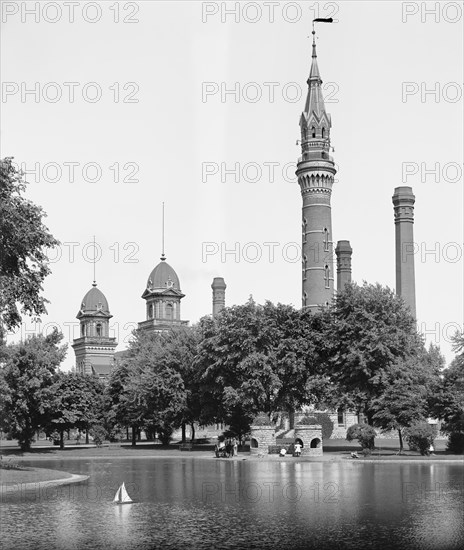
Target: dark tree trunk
[[61, 439], [369, 416], [192, 425], [134, 436], [183, 432], [400, 435]]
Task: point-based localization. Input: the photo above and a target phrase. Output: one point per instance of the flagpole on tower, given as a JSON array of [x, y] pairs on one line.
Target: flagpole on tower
[[163, 257], [94, 258]]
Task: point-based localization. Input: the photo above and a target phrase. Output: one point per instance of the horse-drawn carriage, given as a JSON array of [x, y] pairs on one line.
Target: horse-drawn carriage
[[224, 449]]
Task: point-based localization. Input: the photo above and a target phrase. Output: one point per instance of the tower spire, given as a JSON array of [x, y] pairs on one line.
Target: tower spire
[[315, 172], [163, 257]]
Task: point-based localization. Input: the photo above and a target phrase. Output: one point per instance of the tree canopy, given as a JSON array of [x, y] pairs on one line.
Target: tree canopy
[[73, 401], [256, 358], [371, 343], [24, 241], [28, 372]]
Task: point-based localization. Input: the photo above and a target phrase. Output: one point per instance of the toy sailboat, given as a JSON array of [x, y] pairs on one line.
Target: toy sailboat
[[122, 496]]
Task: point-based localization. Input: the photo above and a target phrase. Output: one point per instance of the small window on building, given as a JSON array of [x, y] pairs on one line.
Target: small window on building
[[99, 329], [313, 131], [323, 133], [82, 330], [168, 311], [340, 416]]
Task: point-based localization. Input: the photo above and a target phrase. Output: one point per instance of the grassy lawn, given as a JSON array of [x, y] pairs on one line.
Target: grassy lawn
[[30, 475]]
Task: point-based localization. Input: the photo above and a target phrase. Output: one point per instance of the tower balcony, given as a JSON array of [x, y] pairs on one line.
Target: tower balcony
[[95, 341], [316, 156], [322, 144], [161, 324]]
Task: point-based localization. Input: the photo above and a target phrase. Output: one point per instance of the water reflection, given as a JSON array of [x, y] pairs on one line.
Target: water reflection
[[191, 503]]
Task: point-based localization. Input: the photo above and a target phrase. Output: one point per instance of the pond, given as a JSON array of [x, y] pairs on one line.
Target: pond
[[196, 503]]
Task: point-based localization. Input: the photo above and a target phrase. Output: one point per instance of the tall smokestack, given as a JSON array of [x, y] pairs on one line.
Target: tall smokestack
[[219, 295], [343, 252], [403, 204]]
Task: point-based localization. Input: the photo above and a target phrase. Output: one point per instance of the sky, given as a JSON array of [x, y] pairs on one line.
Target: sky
[[113, 108]]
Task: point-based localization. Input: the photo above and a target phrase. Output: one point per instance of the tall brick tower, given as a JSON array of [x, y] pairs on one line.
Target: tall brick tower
[[343, 252], [219, 295], [403, 204], [315, 172]]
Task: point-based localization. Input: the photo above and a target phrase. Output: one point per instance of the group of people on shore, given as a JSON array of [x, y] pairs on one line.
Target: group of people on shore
[[296, 450]]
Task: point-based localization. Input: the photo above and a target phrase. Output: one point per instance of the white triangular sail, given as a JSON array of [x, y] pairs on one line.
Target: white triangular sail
[[122, 497]]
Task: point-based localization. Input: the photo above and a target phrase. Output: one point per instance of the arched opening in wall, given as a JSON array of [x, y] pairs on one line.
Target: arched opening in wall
[[341, 416], [313, 132], [82, 330], [99, 329], [305, 134], [254, 443], [323, 133], [299, 441], [169, 311], [315, 443], [150, 311]]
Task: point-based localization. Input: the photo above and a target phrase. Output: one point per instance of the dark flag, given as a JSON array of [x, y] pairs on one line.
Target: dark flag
[[321, 20]]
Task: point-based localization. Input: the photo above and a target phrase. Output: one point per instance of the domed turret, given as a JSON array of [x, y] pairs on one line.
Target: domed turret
[[94, 301], [163, 276], [163, 296], [94, 348]]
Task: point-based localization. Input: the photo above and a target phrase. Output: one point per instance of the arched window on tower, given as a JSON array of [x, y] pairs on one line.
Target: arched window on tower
[[305, 299], [305, 266], [323, 133], [99, 329], [313, 132], [305, 133], [82, 329], [326, 239], [169, 311], [327, 276], [304, 226]]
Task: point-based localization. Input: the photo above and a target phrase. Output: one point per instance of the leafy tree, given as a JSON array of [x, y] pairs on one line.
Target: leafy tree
[[147, 388], [365, 434], [448, 400], [123, 402], [24, 241], [27, 373], [420, 436], [406, 400], [73, 401], [255, 358], [175, 350], [368, 333]]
